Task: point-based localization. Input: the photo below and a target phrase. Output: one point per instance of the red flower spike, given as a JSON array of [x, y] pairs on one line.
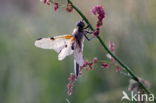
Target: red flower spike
[[56, 6], [95, 60], [70, 88], [117, 68], [91, 66], [70, 85], [112, 46], [105, 65], [97, 32], [99, 10], [99, 23], [86, 63], [46, 2], [69, 7], [72, 77]]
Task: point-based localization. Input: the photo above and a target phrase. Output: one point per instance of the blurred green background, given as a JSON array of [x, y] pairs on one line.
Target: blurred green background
[[32, 75]]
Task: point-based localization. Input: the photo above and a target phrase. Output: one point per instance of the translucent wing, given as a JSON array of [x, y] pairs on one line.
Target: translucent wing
[[56, 43], [61, 44], [67, 50]]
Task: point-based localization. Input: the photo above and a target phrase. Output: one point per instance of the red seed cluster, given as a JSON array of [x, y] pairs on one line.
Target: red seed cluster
[[90, 65], [112, 48], [96, 32], [117, 68], [56, 6], [99, 11], [46, 2], [70, 84], [105, 65], [69, 7], [72, 78]]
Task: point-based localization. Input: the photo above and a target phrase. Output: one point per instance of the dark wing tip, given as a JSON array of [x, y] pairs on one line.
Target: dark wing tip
[[39, 38]]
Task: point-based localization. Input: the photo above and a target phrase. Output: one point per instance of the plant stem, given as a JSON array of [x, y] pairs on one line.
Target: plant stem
[[106, 48]]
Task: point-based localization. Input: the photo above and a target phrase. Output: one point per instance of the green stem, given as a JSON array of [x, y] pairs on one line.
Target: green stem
[[106, 48]]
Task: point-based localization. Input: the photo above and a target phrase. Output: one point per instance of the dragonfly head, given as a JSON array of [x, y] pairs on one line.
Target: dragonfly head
[[80, 24]]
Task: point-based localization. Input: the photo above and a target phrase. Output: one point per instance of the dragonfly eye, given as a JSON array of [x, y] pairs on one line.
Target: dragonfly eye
[[81, 24]]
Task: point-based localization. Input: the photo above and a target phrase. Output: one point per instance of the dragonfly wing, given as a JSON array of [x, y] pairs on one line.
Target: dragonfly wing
[[56, 43], [67, 50]]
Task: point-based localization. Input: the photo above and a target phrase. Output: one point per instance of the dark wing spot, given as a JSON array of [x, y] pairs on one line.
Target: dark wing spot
[[66, 46], [52, 38], [39, 38]]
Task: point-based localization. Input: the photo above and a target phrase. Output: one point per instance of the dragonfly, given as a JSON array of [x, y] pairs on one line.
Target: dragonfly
[[69, 44]]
